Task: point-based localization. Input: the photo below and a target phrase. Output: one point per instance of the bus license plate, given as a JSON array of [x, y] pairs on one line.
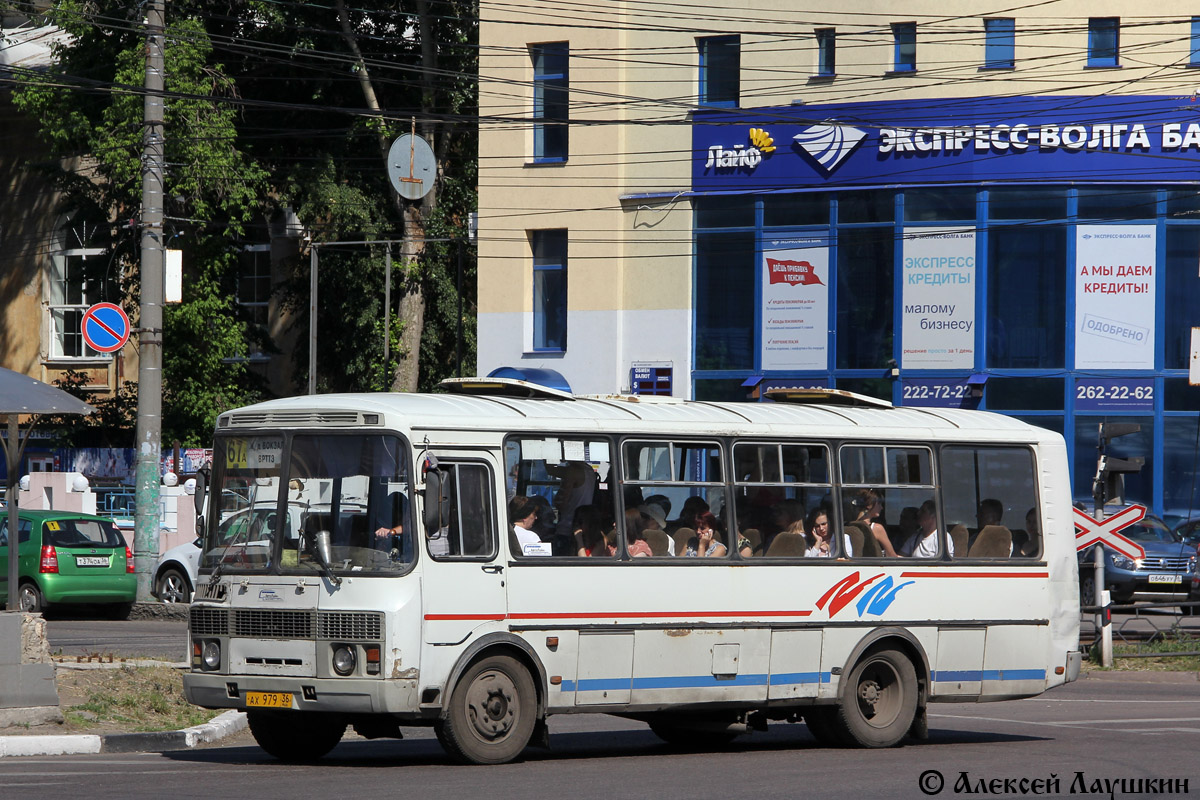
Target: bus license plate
[[91, 561], [268, 699], [1166, 579]]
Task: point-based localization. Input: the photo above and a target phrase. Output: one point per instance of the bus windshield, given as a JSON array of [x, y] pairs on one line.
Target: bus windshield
[[345, 505]]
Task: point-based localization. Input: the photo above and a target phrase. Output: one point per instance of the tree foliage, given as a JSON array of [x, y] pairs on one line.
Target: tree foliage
[[263, 112]]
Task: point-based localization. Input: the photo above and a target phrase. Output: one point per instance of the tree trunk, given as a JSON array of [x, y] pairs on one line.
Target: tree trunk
[[412, 215]]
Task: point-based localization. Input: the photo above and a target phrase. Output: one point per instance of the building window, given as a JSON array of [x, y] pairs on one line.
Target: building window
[[549, 290], [1194, 58], [254, 296], [999, 45], [1104, 42], [904, 36], [73, 284], [826, 51], [720, 70], [551, 91]]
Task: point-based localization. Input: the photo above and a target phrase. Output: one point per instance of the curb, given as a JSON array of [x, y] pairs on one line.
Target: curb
[[224, 724]]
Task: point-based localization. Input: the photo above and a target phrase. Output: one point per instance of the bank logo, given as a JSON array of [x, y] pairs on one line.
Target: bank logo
[[829, 144], [741, 157]]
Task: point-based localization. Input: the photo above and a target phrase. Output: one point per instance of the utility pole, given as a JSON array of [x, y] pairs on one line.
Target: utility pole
[[149, 415]]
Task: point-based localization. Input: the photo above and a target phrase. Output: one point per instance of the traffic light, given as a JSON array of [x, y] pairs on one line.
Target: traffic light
[[1109, 483]]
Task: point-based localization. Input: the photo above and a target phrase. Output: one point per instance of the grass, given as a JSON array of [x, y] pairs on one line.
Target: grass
[[1161, 654], [133, 699]]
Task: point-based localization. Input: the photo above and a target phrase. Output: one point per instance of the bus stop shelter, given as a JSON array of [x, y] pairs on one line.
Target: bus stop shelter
[[21, 395]]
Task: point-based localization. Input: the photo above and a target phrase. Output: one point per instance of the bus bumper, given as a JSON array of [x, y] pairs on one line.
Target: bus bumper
[[1074, 664], [349, 696]]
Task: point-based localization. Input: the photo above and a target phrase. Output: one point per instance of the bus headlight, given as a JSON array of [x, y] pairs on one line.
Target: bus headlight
[[344, 659], [210, 654]]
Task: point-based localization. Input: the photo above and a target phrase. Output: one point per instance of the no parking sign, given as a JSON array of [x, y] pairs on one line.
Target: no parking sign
[[105, 327]]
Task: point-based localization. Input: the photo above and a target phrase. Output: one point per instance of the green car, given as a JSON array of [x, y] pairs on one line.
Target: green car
[[69, 559]]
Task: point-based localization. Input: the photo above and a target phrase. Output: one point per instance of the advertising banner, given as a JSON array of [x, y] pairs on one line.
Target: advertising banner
[[795, 296], [938, 330], [1114, 296], [970, 139]]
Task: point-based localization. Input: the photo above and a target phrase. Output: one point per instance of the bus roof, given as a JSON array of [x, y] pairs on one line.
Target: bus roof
[[626, 413]]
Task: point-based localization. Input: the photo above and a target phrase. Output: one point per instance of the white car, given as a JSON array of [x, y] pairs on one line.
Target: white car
[[175, 573]]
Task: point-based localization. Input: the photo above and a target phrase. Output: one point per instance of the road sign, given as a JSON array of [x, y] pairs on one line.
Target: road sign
[[1090, 531], [411, 166], [105, 327]]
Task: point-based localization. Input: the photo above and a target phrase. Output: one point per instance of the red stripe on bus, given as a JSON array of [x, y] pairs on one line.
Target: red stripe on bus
[[657, 614], [605, 615], [940, 574]]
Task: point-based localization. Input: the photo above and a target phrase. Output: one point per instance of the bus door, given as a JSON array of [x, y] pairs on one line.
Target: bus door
[[463, 580]]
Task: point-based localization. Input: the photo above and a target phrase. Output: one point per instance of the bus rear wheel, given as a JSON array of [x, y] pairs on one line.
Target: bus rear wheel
[[492, 713], [879, 701], [296, 736]]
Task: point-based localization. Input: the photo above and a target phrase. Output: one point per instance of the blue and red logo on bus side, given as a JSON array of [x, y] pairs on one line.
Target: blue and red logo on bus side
[[874, 602]]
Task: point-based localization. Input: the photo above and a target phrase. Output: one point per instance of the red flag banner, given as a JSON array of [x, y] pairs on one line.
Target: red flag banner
[[792, 272]]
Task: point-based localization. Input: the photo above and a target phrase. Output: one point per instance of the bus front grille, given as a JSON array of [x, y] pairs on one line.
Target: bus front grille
[[350, 625], [286, 624]]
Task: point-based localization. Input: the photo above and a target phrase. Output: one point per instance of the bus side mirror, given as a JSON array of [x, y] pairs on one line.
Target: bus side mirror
[[198, 499], [436, 501]]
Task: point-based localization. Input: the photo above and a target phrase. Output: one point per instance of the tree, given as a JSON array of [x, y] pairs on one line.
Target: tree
[[94, 136], [266, 109]]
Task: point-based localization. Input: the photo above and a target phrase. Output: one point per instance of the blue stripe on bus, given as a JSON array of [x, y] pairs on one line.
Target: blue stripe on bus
[[947, 676], [781, 679]]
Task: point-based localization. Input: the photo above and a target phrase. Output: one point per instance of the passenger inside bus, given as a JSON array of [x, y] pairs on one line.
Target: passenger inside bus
[[707, 541], [868, 507], [523, 512], [589, 534], [924, 543], [635, 540]]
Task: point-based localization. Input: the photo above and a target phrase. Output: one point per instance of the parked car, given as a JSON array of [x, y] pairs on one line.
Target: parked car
[[175, 573], [66, 558], [1166, 572]]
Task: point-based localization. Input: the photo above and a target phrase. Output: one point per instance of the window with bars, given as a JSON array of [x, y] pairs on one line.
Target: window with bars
[[72, 285]]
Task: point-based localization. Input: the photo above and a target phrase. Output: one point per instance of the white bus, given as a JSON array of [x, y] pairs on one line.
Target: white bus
[[404, 595]]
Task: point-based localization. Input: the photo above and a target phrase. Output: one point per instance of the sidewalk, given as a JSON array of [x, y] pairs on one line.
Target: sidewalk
[[223, 725], [35, 743]]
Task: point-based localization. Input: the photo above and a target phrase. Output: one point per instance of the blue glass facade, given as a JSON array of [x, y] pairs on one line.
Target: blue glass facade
[[1026, 302]]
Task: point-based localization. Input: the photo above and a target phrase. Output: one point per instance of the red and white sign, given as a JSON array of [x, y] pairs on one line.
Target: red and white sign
[[105, 327], [795, 304], [784, 271], [1090, 531]]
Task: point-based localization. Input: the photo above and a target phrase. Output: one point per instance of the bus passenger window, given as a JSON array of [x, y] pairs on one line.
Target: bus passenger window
[[989, 497], [778, 487], [884, 489], [565, 482], [670, 487]]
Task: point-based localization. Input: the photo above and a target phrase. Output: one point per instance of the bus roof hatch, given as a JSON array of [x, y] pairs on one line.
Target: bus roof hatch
[[502, 387], [822, 396]]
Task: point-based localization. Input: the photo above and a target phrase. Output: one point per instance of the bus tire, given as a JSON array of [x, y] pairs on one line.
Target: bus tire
[[296, 736], [879, 701], [492, 713]]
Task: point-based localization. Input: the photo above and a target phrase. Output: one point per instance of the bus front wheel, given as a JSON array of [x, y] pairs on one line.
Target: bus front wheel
[[492, 713], [296, 736], [879, 700]]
